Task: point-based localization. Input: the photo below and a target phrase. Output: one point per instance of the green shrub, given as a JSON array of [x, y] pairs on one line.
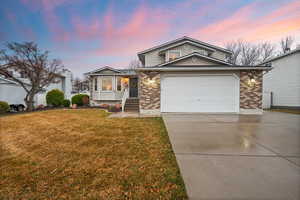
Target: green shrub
[[4, 107], [55, 97], [66, 103], [80, 99]]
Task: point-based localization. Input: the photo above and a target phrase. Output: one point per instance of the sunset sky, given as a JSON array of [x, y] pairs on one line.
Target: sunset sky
[[88, 34]]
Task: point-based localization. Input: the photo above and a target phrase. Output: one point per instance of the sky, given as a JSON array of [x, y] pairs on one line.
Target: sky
[[89, 34]]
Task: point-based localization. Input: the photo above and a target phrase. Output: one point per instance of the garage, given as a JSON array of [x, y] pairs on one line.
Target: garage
[[207, 93]]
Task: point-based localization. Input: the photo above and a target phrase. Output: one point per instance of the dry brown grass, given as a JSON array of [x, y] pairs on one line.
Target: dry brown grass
[[81, 154], [286, 111]]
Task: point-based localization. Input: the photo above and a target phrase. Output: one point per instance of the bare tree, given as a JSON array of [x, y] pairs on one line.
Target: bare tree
[[267, 51], [286, 44], [135, 64], [235, 48], [27, 58], [76, 85], [250, 54]]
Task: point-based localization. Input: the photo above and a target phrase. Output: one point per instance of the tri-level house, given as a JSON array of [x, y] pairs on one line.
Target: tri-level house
[[183, 75]]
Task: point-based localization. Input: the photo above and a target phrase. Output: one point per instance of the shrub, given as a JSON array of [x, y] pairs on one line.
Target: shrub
[[40, 107], [80, 99], [55, 97], [114, 108], [85, 99], [66, 103], [4, 107]]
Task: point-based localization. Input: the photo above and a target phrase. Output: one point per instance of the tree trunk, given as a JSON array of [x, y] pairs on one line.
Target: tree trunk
[[29, 101]]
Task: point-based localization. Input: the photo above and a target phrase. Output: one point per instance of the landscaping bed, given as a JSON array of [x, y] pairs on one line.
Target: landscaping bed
[[82, 154]]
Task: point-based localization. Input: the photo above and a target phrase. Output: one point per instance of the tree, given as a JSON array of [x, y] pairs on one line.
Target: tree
[[135, 64], [286, 44], [250, 54], [76, 85], [267, 50], [27, 58], [244, 53], [235, 48]]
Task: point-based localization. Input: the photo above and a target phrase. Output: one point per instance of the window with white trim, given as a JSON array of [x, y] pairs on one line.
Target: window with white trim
[[96, 84], [107, 83], [173, 54], [119, 84]]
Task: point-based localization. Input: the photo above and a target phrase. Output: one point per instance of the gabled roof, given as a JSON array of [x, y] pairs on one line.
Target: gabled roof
[[215, 60], [183, 39], [187, 42], [102, 69], [281, 56], [7, 80], [117, 71]]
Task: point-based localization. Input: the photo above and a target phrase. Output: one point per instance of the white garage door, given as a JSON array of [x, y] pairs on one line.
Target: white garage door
[[201, 93]]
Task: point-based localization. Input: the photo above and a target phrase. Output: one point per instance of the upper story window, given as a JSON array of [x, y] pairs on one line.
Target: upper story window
[[107, 83], [173, 54]]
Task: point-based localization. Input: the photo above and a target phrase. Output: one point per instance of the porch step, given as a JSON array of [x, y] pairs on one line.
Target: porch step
[[132, 105]]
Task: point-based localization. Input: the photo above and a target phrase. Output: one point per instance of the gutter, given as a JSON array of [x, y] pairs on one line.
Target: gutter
[[202, 68]]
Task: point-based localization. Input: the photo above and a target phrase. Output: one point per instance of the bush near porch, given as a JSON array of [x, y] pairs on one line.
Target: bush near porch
[[82, 154]]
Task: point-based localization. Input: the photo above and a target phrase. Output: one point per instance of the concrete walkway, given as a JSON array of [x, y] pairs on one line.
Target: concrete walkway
[[237, 156]]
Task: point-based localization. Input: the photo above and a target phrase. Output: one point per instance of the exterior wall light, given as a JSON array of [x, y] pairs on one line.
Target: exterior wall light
[[151, 80], [251, 80], [151, 76]]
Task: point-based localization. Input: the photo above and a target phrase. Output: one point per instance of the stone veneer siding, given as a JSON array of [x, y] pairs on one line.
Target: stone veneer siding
[[251, 96], [149, 93]]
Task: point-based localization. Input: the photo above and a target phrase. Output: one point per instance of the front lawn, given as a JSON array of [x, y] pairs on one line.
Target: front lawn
[[297, 112], [81, 154]]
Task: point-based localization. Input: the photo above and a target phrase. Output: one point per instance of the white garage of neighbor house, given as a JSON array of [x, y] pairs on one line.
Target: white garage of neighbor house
[[13, 93], [283, 81]]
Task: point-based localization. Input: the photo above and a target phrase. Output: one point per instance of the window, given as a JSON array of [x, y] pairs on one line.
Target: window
[[96, 84], [23, 75], [106, 83], [119, 85], [173, 55]]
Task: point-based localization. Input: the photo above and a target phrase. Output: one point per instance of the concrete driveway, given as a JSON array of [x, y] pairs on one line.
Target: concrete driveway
[[237, 156]]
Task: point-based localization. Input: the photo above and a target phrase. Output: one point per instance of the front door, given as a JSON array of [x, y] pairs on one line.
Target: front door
[[133, 87]]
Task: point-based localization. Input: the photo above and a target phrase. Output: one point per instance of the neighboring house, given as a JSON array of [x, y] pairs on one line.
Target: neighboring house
[[283, 81], [183, 75], [13, 93], [81, 87]]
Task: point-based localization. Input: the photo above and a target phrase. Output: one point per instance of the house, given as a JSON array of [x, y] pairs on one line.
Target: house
[[14, 94], [183, 75], [283, 81], [80, 86]]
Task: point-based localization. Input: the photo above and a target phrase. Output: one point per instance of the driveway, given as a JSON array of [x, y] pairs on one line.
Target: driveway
[[237, 156]]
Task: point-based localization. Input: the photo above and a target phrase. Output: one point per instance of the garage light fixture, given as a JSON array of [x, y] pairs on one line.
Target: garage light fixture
[[151, 76], [252, 80], [151, 80]]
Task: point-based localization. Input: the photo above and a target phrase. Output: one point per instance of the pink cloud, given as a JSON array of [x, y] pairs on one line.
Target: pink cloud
[[143, 27], [244, 25]]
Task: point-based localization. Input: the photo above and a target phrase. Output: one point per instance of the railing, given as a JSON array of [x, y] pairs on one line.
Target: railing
[[125, 96]]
